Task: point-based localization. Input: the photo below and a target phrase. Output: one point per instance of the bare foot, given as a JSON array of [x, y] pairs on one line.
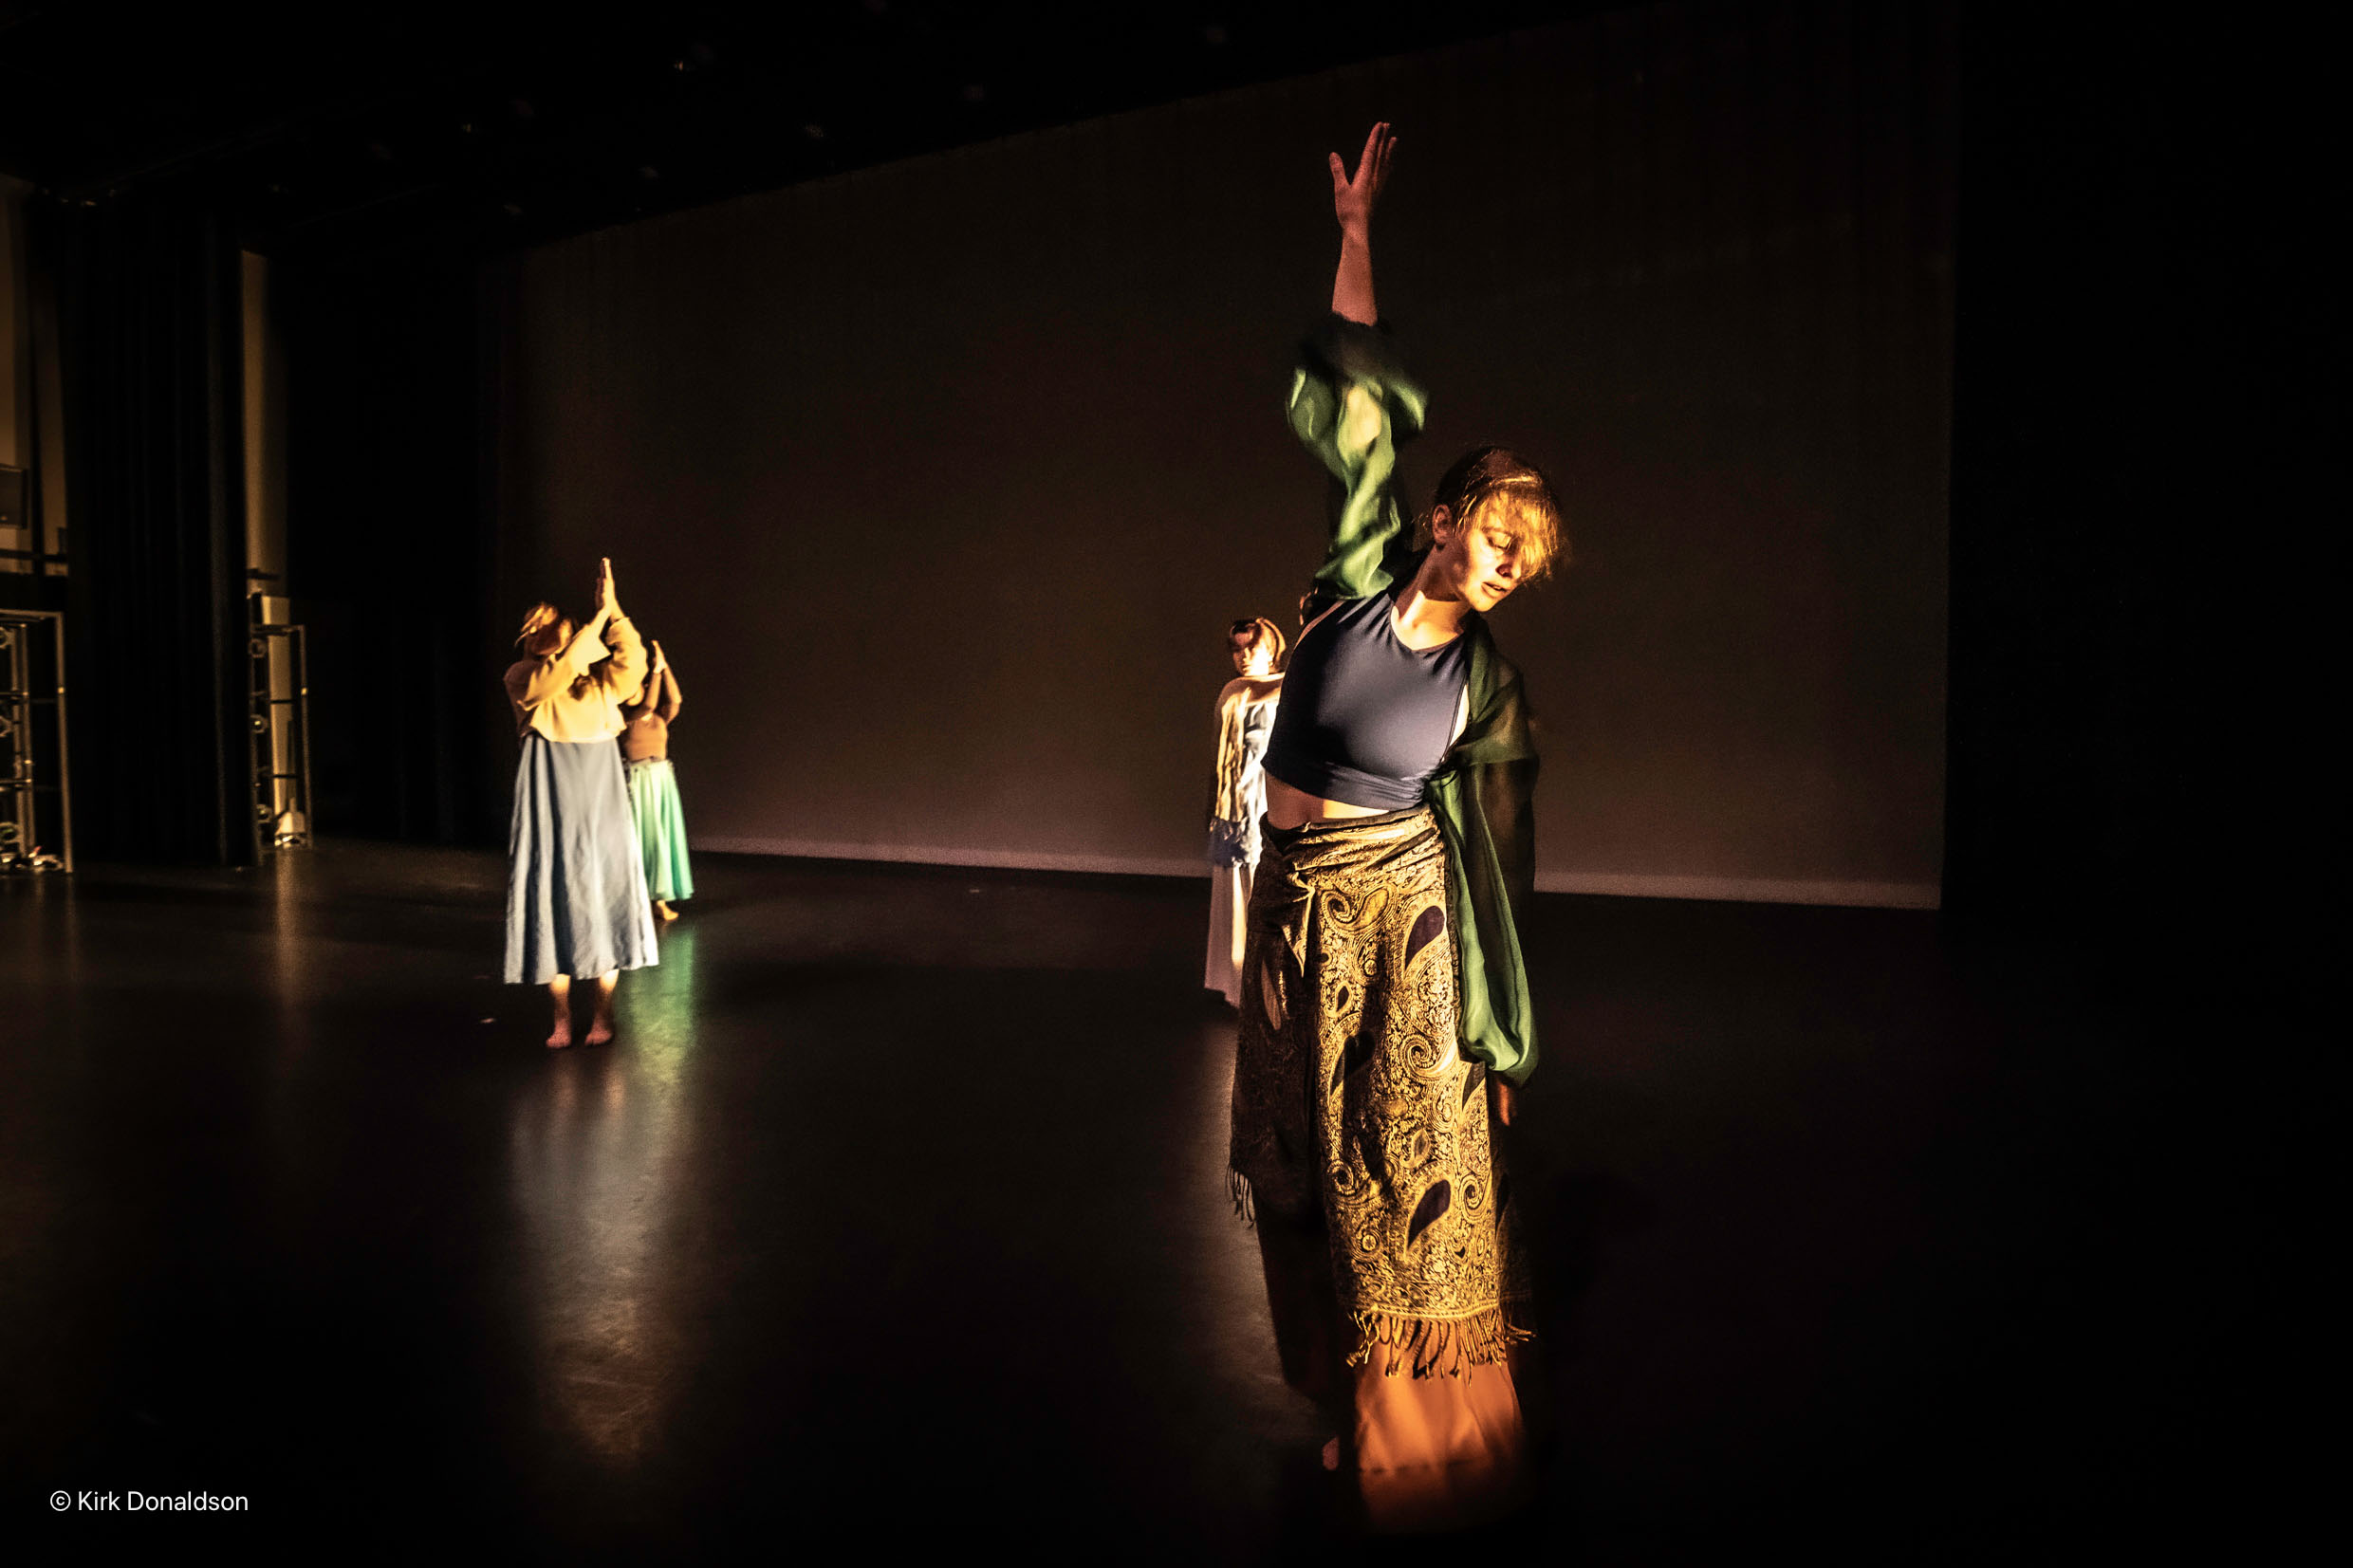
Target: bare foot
[[601, 1031], [664, 910], [1331, 1454], [560, 997]]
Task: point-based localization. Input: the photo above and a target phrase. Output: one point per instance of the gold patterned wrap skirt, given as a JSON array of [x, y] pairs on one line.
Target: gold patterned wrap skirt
[[1363, 1150]]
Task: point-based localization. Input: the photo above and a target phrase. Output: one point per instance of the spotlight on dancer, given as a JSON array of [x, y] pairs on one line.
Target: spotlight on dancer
[[1239, 794], [654, 788], [1385, 1013], [576, 905]]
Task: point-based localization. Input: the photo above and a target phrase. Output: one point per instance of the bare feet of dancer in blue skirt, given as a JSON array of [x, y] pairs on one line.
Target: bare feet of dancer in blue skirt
[[600, 1027], [560, 993]]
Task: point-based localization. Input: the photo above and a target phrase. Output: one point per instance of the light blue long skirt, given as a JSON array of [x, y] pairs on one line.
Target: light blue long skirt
[[661, 828], [576, 899]]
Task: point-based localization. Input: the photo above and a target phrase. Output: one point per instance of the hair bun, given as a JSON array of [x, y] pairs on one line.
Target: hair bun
[[542, 616]]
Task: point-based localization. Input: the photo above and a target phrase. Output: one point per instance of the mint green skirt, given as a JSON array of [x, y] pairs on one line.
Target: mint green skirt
[[661, 829]]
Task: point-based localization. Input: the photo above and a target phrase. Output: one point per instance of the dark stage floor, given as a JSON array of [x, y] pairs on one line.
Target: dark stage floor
[[900, 1211]]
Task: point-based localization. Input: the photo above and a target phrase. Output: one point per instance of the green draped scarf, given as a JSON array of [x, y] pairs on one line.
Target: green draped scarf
[[1352, 404]]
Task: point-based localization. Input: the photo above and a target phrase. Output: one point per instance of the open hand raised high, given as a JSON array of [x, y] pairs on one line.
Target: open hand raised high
[[1353, 196]]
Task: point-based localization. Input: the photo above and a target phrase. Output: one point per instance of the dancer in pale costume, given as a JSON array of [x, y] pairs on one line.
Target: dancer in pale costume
[[576, 906], [654, 786], [1385, 1015], [1238, 797]]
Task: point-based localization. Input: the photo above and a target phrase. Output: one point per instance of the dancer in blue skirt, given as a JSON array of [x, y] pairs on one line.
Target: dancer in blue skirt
[[654, 788], [576, 902]]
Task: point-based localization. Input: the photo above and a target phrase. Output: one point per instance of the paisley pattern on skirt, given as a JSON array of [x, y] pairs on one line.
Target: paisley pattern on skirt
[[1353, 1104]]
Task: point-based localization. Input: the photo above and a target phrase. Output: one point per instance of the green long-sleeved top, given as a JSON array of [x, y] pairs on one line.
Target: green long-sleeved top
[[1352, 404]]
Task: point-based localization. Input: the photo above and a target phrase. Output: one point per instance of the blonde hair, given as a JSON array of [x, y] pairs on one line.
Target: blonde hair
[[1253, 633], [1494, 484], [541, 633]]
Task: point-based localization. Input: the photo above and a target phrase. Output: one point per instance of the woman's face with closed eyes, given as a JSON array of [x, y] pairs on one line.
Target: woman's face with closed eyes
[[1482, 562]]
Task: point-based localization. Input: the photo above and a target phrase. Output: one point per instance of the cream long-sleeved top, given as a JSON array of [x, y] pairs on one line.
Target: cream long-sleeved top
[[576, 695]]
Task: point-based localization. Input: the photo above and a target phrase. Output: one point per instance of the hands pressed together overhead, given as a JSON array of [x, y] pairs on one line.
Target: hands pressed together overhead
[[608, 600]]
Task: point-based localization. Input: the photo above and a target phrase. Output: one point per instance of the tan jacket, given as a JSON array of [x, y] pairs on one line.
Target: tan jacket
[[579, 698]]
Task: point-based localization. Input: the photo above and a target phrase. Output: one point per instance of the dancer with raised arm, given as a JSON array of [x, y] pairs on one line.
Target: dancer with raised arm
[[576, 905], [1239, 794], [1385, 1015], [654, 788]]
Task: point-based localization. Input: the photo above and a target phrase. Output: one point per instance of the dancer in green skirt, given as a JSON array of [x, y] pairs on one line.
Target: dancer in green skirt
[[654, 788]]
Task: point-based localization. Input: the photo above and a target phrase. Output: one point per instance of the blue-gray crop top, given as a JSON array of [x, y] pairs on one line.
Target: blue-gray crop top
[[1364, 719]]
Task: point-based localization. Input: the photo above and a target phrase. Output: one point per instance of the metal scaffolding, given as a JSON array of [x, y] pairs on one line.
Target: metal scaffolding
[[281, 724], [36, 814]]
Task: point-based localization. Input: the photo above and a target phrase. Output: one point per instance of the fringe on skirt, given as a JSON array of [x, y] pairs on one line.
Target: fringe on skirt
[[1355, 1112]]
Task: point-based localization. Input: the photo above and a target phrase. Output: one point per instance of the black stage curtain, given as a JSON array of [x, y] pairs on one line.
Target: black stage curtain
[[148, 341], [388, 551]]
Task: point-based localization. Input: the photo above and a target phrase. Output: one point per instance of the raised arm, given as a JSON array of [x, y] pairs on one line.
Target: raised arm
[[625, 672], [1353, 197], [538, 680], [670, 701], [1351, 400]]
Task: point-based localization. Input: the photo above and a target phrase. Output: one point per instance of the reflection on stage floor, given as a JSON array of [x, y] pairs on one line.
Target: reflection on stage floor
[[902, 1202]]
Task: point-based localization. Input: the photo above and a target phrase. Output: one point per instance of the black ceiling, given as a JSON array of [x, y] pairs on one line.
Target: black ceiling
[[330, 128]]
